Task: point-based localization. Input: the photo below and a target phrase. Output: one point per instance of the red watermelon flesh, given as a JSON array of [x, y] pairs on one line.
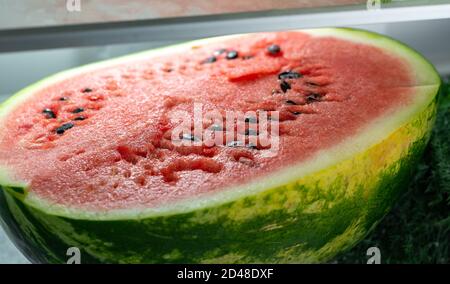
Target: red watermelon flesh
[[114, 149]]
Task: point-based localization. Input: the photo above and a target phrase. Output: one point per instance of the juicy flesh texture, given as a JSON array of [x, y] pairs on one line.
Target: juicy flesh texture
[[121, 155]]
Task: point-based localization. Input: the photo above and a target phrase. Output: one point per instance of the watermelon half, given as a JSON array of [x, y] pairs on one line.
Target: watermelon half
[[88, 157]]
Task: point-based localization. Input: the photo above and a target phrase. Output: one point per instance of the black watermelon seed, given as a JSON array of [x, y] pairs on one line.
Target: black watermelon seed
[[252, 146], [79, 118], [219, 51], [49, 113], [237, 143], [290, 102], [289, 75], [64, 127], [78, 110], [87, 90], [251, 132], [209, 60], [274, 49], [285, 86], [63, 98], [296, 112], [189, 137], [232, 54], [313, 98]]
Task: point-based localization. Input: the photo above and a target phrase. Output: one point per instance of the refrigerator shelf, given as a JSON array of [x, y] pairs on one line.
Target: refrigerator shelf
[[17, 35]]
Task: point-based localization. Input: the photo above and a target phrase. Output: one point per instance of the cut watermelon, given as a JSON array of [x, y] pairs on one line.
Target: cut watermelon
[[89, 160]]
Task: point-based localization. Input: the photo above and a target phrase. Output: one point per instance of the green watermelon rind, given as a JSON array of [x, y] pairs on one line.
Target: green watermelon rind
[[300, 214]]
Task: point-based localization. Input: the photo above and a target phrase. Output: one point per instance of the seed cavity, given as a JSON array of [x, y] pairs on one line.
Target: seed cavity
[[63, 128], [49, 113], [290, 102], [312, 84], [87, 90], [246, 161], [313, 98], [94, 98], [232, 54], [285, 86], [274, 49], [289, 75], [78, 110]]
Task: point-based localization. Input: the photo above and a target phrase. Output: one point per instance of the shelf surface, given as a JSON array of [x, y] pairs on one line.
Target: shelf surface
[[40, 13], [30, 26]]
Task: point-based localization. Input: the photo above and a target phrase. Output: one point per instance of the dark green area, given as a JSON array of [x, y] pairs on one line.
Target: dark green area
[[417, 230]]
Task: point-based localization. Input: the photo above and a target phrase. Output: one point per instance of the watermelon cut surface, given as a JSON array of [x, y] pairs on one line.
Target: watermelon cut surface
[[87, 156]]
